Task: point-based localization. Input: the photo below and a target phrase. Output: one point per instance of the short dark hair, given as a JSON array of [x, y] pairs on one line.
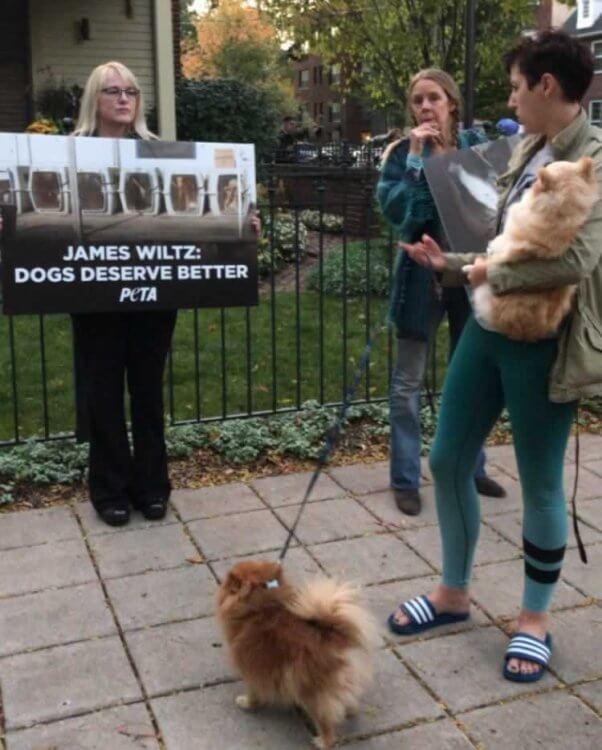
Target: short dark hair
[[288, 118], [555, 52]]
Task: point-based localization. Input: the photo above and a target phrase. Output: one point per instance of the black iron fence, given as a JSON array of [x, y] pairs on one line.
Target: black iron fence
[[339, 153], [326, 262]]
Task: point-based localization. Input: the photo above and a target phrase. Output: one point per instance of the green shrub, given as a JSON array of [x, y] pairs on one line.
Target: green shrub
[[56, 100], [287, 238], [264, 257], [227, 111], [238, 441], [303, 435], [182, 441], [355, 281], [331, 223], [6, 493], [45, 463], [242, 440]]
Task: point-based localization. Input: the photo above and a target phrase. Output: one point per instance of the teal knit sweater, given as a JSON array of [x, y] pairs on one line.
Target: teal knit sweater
[[406, 202]]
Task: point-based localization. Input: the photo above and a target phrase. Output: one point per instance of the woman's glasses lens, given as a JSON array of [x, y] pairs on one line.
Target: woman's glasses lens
[[116, 92]]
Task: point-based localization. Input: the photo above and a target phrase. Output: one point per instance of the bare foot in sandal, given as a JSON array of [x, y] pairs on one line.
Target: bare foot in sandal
[[444, 601], [535, 624]]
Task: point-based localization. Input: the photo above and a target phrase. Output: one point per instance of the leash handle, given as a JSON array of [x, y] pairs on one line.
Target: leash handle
[[580, 545]]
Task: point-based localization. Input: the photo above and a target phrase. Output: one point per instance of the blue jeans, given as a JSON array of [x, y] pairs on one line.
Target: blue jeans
[[406, 383]]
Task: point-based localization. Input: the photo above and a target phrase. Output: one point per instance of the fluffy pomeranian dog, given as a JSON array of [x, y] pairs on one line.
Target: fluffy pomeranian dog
[[309, 646], [541, 225]]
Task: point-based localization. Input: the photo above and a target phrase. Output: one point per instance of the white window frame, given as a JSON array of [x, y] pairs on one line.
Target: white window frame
[[585, 8], [303, 81], [597, 121], [597, 53]]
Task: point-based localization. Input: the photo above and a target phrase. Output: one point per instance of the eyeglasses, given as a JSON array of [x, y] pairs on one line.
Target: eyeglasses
[[115, 92]]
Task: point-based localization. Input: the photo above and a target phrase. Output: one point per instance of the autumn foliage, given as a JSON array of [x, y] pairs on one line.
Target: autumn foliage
[[232, 22]]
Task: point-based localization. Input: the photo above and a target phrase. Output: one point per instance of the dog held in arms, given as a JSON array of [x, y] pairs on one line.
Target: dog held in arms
[[309, 646], [542, 225]]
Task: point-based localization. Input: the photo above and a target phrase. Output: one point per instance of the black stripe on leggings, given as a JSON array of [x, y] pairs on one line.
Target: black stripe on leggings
[[541, 576], [543, 555]]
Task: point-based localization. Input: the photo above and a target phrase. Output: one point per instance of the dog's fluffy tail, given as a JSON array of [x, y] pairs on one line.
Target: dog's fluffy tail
[[334, 606]]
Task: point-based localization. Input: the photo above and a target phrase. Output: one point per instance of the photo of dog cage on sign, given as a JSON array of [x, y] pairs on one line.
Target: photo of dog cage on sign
[[109, 224], [101, 190]]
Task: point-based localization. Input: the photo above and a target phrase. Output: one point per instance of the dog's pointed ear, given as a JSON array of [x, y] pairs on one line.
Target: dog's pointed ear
[[233, 583], [247, 588], [586, 167], [543, 182]]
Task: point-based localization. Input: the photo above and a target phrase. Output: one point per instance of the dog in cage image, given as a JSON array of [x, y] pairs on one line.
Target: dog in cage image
[[229, 196], [120, 190]]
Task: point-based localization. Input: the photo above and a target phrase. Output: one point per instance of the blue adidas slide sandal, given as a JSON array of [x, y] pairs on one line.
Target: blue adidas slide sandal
[[422, 616], [528, 648]]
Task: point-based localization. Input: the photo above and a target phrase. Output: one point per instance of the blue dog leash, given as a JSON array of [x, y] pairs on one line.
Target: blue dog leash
[[334, 431]]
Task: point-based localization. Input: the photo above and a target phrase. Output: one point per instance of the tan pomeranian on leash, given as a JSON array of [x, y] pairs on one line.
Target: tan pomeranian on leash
[[542, 225], [309, 646]]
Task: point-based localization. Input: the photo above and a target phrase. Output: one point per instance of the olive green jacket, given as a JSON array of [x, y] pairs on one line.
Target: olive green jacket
[[577, 371]]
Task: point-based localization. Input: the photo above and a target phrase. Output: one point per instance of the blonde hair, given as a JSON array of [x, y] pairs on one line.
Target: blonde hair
[[451, 89], [86, 122]]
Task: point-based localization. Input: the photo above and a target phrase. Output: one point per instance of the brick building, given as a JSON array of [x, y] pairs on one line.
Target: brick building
[[317, 86], [318, 91]]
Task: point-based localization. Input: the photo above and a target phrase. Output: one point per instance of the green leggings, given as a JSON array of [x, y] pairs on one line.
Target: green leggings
[[489, 371]]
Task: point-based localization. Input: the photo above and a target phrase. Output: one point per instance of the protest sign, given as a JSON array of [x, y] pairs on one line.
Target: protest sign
[[463, 185], [103, 224]]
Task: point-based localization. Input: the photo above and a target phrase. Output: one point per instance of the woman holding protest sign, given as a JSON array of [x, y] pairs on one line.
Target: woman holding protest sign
[[110, 347], [434, 104]]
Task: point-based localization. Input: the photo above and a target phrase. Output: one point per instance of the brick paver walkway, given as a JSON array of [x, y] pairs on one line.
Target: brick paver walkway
[[107, 640]]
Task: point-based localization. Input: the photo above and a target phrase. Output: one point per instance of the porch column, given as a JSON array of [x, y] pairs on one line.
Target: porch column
[[164, 70]]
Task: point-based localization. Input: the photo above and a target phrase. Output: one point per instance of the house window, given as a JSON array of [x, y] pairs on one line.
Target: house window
[[335, 112], [318, 71], [597, 50], [303, 79], [585, 8], [335, 73], [595, 112]]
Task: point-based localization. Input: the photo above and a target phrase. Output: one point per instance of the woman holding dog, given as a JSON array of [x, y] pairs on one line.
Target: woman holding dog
[[405, 199], [539, 383]]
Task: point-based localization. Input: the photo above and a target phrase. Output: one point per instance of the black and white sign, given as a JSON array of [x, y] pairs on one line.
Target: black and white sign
[[98, 224]]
